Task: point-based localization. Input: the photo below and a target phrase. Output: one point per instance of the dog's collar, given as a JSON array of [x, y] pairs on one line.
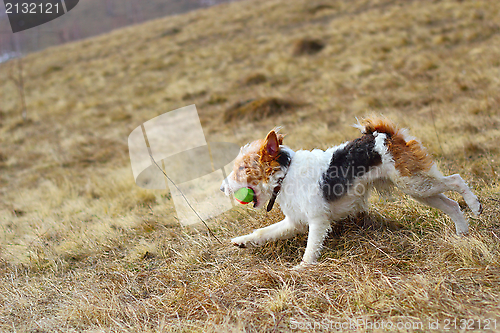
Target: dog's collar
[[276, 191], [284, 160]]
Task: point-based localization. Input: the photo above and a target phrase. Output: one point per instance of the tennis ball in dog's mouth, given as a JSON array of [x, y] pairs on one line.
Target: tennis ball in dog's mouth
[[244, 195]]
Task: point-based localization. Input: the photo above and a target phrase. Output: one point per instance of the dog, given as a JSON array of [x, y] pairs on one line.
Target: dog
[[314, 188]]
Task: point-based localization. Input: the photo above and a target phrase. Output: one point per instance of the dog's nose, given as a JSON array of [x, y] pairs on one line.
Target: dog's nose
[[222, 188]]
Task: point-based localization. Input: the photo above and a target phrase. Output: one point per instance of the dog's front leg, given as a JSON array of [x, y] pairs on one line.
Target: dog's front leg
[[318, 230], [281, 230]]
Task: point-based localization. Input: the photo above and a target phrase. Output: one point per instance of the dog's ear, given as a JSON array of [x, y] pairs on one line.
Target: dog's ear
[[280, 138], [272, 144], [279, 135]]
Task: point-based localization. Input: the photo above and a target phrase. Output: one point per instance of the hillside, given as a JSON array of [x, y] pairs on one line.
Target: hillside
[[82, 248], [90, 18]]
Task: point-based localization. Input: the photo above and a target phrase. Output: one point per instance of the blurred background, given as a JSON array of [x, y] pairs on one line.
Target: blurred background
[[89, 18]]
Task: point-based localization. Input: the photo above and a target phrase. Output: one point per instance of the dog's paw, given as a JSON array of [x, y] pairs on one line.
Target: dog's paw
[[241, 242], [474, 205], [477, 208], [303, 266]]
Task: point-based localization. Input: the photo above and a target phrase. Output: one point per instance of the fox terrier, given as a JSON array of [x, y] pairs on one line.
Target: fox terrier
[[314, 188]]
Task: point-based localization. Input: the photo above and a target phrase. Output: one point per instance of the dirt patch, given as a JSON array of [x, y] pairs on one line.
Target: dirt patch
[[253, 79], [307, 46]]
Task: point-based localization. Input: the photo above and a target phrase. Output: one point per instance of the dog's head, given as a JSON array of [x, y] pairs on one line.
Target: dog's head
[[258, 166]]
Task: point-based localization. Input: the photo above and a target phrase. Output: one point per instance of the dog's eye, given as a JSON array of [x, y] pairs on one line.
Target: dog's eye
[[241, 168]]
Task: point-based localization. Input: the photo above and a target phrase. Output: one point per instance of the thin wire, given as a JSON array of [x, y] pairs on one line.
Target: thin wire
[[435, 128], [210, 231]]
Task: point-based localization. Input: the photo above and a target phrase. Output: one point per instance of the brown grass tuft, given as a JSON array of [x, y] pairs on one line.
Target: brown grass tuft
[[192, 96], [260, 108], [170, 32], [315, 8], [307, 46], [253, 79], [216, 99]]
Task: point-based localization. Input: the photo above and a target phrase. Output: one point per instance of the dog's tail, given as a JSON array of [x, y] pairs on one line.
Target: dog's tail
[[374, 124], [409, 155]]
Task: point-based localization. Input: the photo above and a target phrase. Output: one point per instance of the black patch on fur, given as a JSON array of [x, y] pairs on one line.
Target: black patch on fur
[[284, 159], [348, 163]]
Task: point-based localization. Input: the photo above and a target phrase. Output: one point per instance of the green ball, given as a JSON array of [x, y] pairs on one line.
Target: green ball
[[244, 195]]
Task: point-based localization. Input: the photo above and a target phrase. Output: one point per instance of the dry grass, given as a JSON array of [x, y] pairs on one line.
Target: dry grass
[[92, 18], [84, 249]]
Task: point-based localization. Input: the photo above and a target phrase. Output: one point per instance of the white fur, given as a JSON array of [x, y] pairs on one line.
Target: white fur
[[305, 208]]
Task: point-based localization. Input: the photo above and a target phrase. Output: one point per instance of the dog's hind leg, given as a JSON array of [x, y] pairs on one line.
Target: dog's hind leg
[[435, 183], [456, 183], [281, 230], [428, 187], [450, 207]]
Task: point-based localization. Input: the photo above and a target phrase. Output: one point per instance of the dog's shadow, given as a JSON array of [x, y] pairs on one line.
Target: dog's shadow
[[361, 226], [363, 222]]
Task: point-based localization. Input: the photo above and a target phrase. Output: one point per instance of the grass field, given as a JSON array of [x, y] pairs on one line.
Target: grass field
[[90, 18], [82, 248]]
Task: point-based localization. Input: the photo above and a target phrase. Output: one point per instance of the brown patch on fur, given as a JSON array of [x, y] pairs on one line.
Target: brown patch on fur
[[410, 157], [259, 160], [279, 136], [269, 152], [247, 167], [377, 124]]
